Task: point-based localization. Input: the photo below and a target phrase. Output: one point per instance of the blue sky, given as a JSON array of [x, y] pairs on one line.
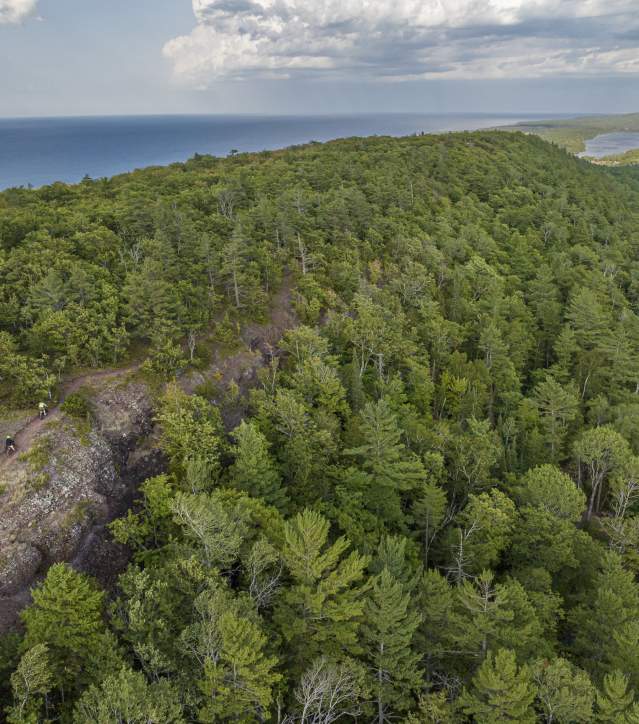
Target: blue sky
[[70, 57]]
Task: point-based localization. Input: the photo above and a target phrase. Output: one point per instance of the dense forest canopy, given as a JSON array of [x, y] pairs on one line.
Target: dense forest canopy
[[429, 512]]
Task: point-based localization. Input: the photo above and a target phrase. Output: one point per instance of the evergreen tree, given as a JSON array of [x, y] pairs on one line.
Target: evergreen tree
[[616, 702], [500, 691], [613, 603], [253, 469], [66, 616], [31, 683], [391, 469], [320, 612], [238, 678], [387, 632], [565, 694]]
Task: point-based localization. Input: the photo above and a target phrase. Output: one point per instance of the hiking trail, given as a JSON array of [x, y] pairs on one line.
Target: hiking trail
[[25, 435]]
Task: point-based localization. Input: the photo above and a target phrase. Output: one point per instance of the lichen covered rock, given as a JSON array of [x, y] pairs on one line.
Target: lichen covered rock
[[75, 476]]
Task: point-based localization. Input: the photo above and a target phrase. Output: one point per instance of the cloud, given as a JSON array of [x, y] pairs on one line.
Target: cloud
[[15, 11], [406, 39]]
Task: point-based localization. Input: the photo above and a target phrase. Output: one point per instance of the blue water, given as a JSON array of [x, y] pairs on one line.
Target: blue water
[[611, 144], [39, 151]]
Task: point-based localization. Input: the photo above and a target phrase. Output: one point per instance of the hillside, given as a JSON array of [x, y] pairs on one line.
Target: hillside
[[387, 394]]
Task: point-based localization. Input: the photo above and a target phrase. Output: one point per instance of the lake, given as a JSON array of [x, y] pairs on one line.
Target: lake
[[39, 151], [611, 144]]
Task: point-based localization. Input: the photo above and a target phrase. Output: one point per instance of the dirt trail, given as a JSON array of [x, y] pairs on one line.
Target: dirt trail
[[259, 339], [25, 435]]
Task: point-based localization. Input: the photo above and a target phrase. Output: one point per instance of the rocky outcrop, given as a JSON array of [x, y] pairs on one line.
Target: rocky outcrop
[[74, 478]]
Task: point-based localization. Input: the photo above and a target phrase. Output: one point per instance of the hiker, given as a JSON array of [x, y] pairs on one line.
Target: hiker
[[9, 445], [42, 410]]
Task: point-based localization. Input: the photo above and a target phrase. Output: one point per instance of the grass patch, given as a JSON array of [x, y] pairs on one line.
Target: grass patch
[[38, 456], [38, 482], [76, 516]]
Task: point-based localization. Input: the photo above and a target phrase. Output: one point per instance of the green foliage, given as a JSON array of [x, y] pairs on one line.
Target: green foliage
[[388, 629], [253, 470], [126, 696], [31, 682], [77, 405], [66, 617], [564, 693], [425, 510], [500, 692], [321, 610], [547, 488]]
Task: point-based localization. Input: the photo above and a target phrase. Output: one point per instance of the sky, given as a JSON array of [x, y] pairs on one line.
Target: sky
[[95, 57]]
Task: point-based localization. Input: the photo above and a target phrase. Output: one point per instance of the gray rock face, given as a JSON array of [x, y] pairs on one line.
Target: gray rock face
[[74, 478]]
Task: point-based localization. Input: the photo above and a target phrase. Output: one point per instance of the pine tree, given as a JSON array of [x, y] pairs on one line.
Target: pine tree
[[434, 637], [429, 512], [546, 487], [387, 634], [391, 469], [492, 518], [558, 406], [612, 603], [239, 679], [600, 451], [434, 708], [66, 616], [616, 702], [319, 614], [253, 470], [500, 692]]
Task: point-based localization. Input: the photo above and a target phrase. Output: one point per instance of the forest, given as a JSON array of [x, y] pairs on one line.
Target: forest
[[429, 511]]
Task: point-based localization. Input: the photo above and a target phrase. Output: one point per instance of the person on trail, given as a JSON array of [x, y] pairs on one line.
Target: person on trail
[[9, 445], [42, 410]]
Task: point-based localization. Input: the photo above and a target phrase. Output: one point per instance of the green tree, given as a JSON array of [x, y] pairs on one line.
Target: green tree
[[391, 468], [31, 682], [600, 451], [558, 406], [253, 470], [547, 488], [565, 694], [66, 616], [191, 428], [387, 633], [612, 603], [128, 697], [616, 702], [486, 525], [238, 677], [501, 691], [320, 612]]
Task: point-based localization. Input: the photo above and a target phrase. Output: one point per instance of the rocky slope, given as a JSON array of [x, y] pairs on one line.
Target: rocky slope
[[71, 478], [74, 477]]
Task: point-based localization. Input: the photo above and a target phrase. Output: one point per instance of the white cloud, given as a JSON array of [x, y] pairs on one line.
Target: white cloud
[[401, 39], [15, 11]]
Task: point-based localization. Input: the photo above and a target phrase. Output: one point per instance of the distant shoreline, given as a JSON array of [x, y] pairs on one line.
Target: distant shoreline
[[41, 151], [574, 133]]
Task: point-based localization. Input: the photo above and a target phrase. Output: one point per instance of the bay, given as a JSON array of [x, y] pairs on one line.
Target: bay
[[611, 144]]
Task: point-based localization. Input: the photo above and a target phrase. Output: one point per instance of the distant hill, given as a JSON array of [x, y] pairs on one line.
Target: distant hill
[[572, 133]]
